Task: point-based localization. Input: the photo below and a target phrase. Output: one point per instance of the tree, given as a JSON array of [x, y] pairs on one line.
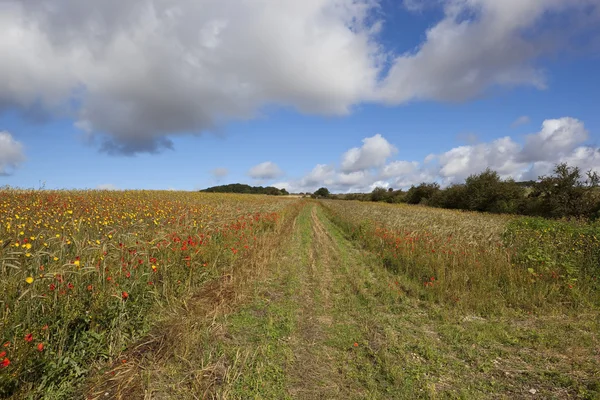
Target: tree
[[422, 193], [379, 194], [565, 194], [488, 192], [322, 192]]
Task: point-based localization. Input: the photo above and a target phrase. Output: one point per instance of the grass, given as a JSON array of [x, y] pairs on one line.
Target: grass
[[329, 300]]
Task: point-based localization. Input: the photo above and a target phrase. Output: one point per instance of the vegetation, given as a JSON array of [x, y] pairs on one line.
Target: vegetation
[[565, 193], [321, 193], [199, 295], [246, 189]]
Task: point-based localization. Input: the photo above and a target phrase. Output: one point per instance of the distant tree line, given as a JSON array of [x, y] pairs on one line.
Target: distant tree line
[[565, 193], [247, 189]]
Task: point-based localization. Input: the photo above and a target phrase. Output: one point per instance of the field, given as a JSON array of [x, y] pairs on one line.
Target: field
[[141, 294]]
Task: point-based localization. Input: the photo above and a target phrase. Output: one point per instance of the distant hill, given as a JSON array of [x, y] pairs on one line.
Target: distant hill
[[247, 189]]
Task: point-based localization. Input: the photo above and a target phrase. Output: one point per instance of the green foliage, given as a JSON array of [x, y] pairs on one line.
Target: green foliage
[[556, 249], [566, 193], [423, 193], [246, 189], [321, 192]]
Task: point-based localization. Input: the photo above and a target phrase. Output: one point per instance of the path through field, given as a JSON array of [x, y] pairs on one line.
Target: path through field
[[324, 320]]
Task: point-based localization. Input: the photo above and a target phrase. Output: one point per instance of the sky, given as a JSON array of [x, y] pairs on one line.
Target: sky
[[346, 94]]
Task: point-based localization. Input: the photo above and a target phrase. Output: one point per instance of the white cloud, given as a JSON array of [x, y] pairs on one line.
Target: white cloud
[[557, 138], [11, 153], [374, 153], [522, 120], [265, 171], [219, 173], [107, 186], [499, 155], [135, 73], [478, 44], [397, 168], [321, 174], [143, 70], [282, 185]]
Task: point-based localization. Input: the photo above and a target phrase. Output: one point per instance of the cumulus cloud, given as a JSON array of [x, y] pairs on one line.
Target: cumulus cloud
[[265, 171], [142, 70], [478, 44], [557, 138], [522, 120], [11, 153], [107, 186], [373, 153], [133, 74], [219, 173]]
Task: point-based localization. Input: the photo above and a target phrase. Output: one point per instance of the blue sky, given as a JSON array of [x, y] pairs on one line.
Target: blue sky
[[386, 94]]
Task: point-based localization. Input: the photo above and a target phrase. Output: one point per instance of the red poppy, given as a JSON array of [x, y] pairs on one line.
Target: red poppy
[[2, 354], [40, 347], [124, 295], [5, 363], [45, 327], [28, 337]]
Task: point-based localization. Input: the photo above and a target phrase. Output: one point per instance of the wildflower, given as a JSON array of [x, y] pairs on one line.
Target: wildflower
[[45, 327], [355, 344], [28, 337], [90, 287], [125, 295], [6, 344], [40, 347], [3, 354], [29, 280], [5, 363], [52, 287], [154, 268]]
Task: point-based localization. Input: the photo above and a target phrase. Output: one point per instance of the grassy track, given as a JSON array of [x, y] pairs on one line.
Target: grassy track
[[325, 320]]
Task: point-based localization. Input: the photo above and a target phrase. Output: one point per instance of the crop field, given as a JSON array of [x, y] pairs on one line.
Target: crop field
[[141, 294]]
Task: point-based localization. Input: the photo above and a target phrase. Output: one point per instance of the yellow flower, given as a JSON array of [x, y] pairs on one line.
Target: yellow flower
[[29, 280], [28, 246], [76, 263], [55, 258]]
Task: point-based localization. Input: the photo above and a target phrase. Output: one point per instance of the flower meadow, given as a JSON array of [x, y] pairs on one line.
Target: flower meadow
[[480, 262], [85, 273]]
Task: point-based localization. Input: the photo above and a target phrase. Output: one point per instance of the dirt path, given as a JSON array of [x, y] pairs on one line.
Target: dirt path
[[311, 373]]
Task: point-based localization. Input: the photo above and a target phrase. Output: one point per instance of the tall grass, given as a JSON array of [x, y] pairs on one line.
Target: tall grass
[[478, 261], [84, 273]]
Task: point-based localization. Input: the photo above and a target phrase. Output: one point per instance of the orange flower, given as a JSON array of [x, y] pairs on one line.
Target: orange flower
[[355, 344], [28, 337], [124, 295], [40, 347]]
